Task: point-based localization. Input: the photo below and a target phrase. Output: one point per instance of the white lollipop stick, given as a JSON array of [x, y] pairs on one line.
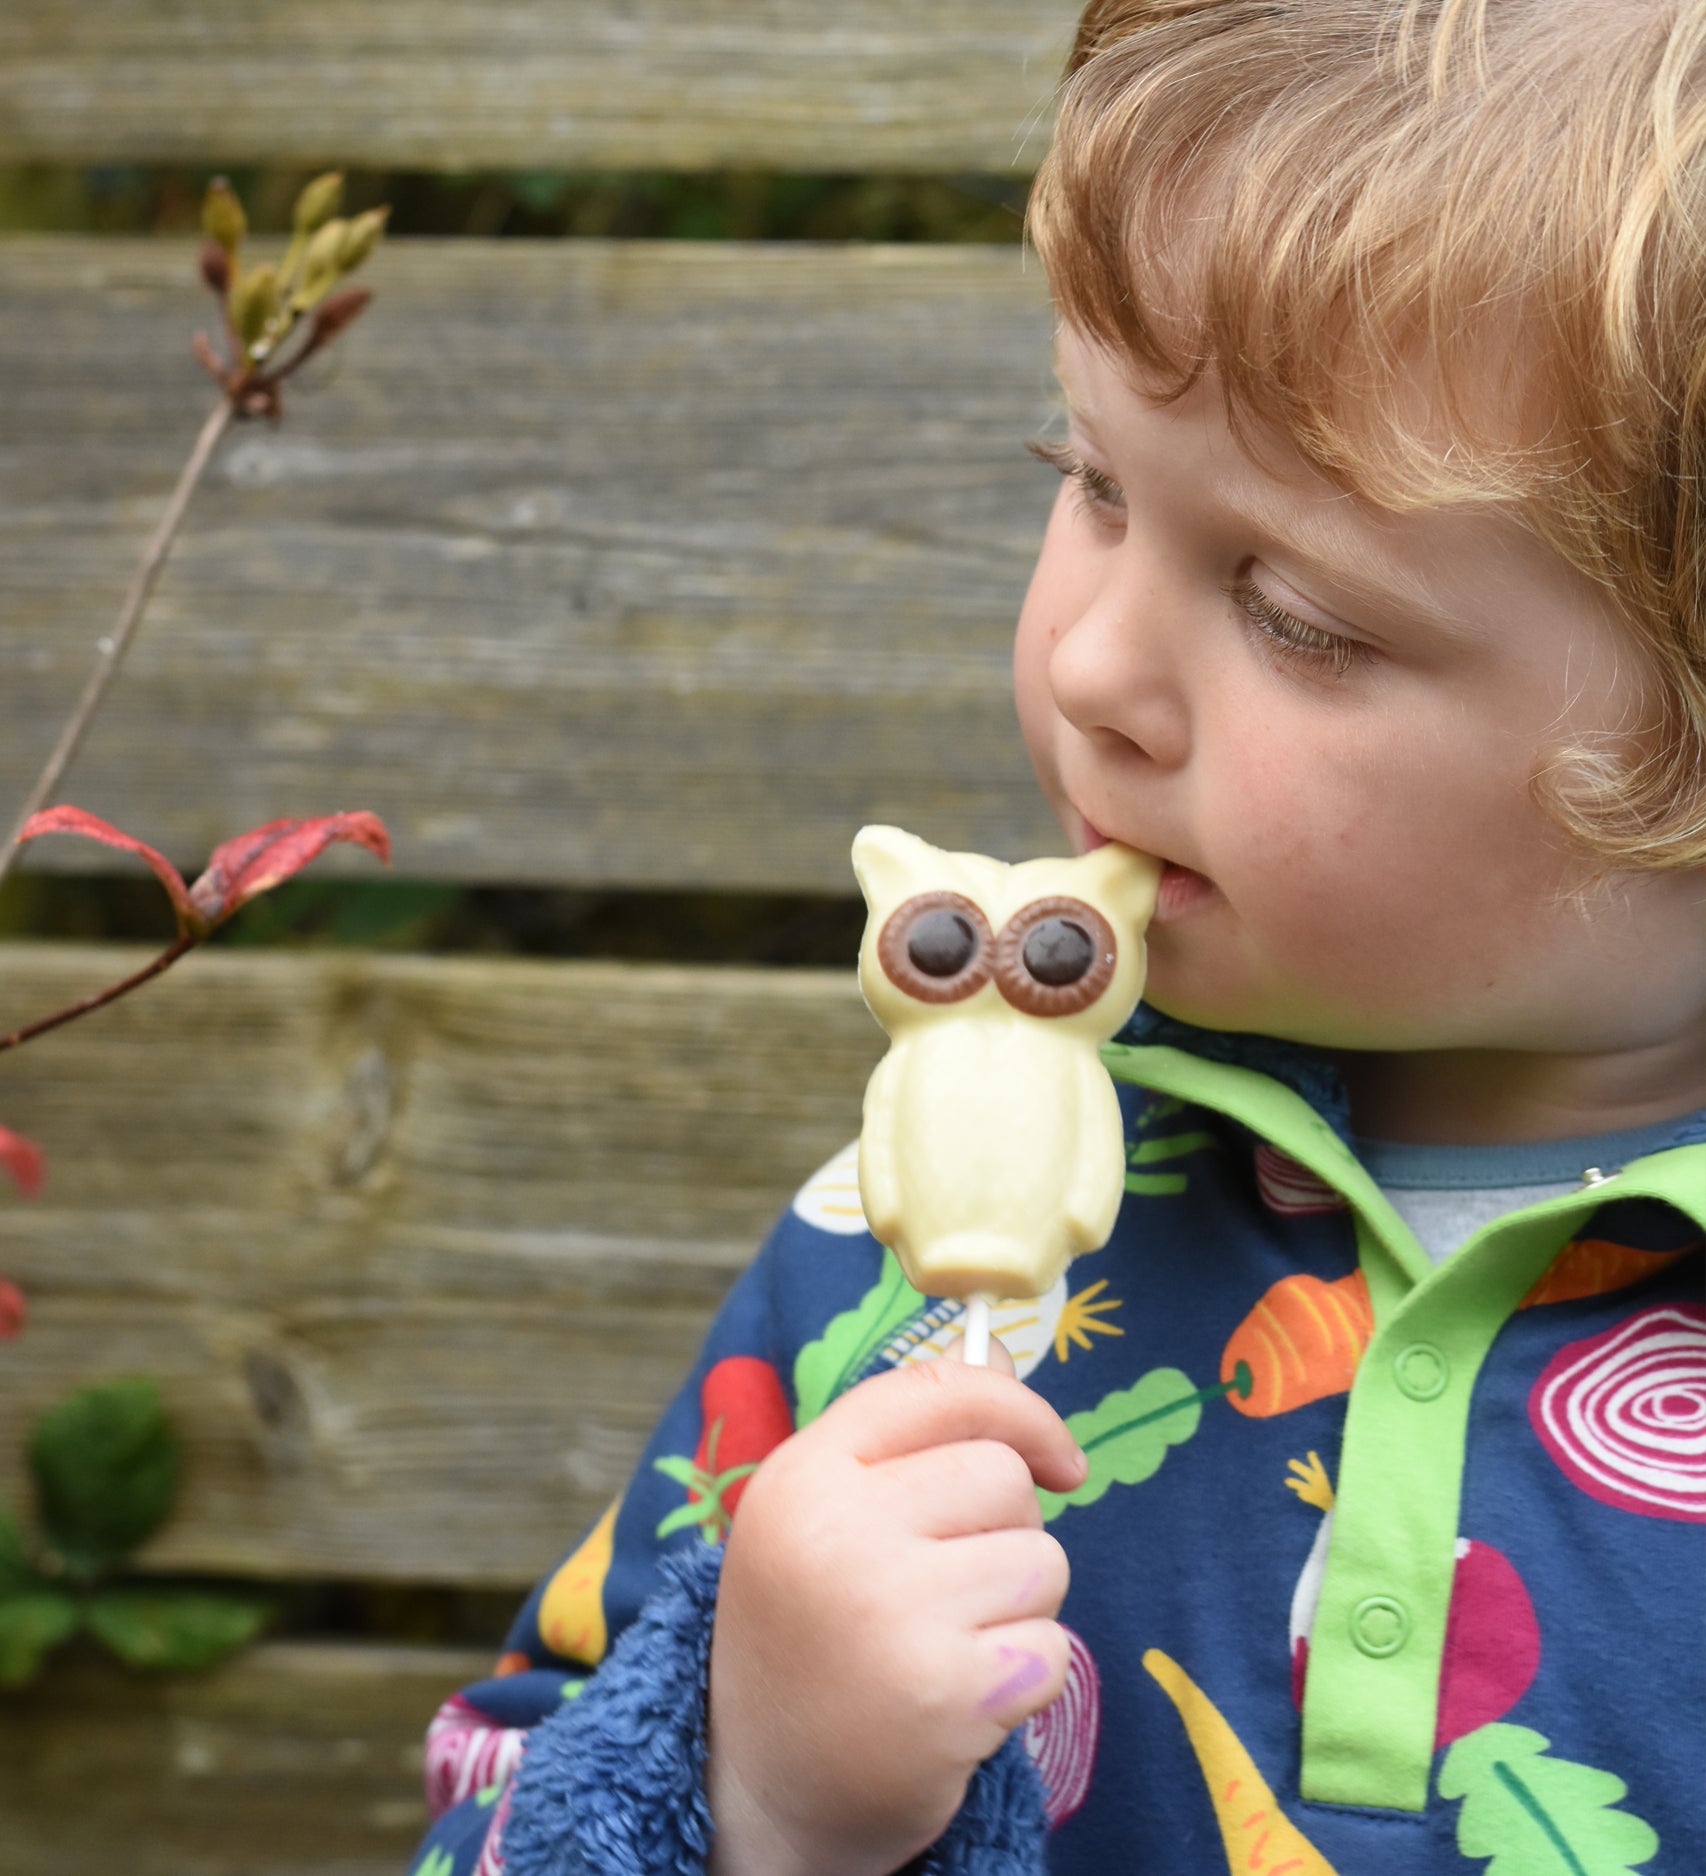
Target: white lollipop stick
[[977, 1331]]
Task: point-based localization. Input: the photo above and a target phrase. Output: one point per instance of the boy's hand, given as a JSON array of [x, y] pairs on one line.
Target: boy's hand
[[885, 1619]]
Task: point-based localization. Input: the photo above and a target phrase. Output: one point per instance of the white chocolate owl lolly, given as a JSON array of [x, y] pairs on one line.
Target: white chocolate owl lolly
[[992, 1151]]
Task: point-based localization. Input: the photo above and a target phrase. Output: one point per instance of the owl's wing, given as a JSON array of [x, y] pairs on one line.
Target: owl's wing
[[1097, 1182], [879, 1178]]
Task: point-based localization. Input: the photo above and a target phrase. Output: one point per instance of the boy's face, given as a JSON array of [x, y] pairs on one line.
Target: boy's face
[[1326, 719]]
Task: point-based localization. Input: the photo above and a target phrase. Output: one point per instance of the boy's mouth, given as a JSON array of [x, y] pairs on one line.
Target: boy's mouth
[[1181, 891], [1182, 888]]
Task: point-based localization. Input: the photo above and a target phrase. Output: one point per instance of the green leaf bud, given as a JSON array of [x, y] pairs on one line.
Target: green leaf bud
[[361, 238], [320, 269], [319, 201], [254, 303], [222, 217]]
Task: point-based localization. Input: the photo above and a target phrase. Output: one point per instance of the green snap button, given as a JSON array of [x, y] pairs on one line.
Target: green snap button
[[1380, 1626], [1421, 1371]]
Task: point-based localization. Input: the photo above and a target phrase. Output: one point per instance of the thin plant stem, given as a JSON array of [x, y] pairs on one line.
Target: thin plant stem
[[187, 942], [113, 648]]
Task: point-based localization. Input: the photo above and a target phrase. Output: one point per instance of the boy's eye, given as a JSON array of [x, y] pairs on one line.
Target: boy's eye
[[1099, 495], [1291, 637]]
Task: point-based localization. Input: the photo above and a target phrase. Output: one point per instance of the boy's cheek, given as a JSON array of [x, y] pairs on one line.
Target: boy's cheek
[[1322, 935]]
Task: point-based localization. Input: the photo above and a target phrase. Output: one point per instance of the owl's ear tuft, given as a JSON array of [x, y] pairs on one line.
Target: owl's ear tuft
[[886, 863], [1124, 881]]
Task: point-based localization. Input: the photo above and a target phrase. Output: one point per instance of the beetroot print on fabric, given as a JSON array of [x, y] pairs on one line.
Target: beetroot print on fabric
[[1624, 1413]]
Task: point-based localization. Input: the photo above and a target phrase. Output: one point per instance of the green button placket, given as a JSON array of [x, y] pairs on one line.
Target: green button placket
[[1371, 1699], [1369, 1714]]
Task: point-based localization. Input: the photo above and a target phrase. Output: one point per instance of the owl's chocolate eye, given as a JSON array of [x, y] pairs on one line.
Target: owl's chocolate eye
[[941, 944], [936, 947], [1058, 952], [1055, 957]]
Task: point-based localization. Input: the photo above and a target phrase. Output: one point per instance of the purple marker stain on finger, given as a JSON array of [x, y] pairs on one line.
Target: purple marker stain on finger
[[1031, 1671]]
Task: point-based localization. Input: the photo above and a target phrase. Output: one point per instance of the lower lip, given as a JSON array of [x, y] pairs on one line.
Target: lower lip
[[1181, 891]]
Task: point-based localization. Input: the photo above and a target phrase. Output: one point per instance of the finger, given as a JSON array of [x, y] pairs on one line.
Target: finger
[[1000, 1362], [1022, 1667], [998, 1577], [931, 1403], [965, 1487]]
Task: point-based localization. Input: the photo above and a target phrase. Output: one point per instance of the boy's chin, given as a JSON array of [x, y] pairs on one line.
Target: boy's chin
[[1283, 1019]]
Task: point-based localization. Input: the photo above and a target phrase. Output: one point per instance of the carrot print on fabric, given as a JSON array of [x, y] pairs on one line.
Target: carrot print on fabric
[[1260, 1839], [1301, 1343], [571, 1612], [1596, 1267]]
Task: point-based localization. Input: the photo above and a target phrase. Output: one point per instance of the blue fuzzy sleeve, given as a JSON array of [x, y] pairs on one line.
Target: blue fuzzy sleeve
[[614, 1783]]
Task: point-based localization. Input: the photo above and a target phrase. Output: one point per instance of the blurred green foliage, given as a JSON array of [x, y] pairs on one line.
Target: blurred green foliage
[[721, 206], [405, 915]]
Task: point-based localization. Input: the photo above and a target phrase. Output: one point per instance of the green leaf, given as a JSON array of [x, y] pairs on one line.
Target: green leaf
[[827, 1367], [106, 1468], [679, 1467], [435, 1863], [17, 1573], [31, 1625], [1168, 1146], [174, 1628], [1156, 1185], [684, 1515], [1537, 1816], [1127, 1435]]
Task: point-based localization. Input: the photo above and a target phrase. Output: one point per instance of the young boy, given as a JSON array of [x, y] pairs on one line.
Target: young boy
[[1373, 606]]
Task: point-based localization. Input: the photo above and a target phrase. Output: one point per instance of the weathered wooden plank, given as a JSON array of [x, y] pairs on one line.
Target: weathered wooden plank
[[292, 1759], [595, 563], [534, 84], [417, 1248]]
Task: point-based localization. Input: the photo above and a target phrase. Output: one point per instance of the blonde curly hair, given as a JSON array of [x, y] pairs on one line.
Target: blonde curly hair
[[1308, 197]]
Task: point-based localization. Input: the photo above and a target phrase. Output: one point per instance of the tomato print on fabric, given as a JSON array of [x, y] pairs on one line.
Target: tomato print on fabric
[[744, 1416]]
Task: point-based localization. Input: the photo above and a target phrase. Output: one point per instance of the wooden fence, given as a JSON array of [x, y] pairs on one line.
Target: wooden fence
[[587, 564]]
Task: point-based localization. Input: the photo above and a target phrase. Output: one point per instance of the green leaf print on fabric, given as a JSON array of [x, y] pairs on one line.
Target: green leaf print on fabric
[[1127, 1435], [829, 1366], [435, 1863], [1141, 1153], [1537, 1816]]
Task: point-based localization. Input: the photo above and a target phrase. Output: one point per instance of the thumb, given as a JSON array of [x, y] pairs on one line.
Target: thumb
[[1000, 1362]]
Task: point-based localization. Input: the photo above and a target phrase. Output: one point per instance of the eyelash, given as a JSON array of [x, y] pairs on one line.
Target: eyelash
[[1099, 496], [1290, 636], [1102, 500]]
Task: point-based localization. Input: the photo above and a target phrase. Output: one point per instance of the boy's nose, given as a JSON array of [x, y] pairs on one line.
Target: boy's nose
[[1113, 678]]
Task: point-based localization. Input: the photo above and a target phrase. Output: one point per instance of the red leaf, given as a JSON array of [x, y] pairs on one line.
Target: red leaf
[[253, 863], [77, 821], [14, 1312], [340, 310], [23, 1160]]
